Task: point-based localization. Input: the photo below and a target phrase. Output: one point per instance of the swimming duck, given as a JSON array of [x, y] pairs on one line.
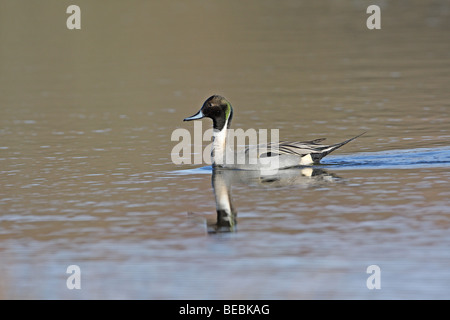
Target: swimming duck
[[277, 155]]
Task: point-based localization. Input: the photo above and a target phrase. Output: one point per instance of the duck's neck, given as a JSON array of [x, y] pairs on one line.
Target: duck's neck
[[219, 146]]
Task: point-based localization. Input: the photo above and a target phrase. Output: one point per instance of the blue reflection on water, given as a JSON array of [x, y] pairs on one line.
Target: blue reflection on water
[[392, 159]]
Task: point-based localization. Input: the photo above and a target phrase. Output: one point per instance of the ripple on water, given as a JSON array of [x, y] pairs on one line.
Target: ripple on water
[[392, 159]]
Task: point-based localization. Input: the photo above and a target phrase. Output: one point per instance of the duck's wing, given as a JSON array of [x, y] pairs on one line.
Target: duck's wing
[[300, 148], [287, 148], [315, 141]]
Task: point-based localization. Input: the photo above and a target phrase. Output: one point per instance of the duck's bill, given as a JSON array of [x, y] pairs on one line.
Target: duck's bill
[[196, 116]]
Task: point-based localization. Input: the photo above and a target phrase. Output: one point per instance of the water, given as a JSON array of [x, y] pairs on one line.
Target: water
[[86, 175]]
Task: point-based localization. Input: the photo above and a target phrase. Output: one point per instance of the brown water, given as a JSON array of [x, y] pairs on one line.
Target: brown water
[[86, 177]]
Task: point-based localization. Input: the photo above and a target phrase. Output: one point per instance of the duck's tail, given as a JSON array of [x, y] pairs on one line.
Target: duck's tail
[[317, 156]]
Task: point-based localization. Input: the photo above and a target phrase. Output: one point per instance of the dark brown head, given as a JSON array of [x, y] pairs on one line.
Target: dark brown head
[[218, 109]]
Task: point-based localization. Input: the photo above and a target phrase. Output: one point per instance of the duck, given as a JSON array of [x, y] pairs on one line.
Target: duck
[[270, 156]]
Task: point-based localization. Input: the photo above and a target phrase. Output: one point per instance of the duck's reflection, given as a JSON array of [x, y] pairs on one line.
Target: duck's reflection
[[223, 179], [226, 214]]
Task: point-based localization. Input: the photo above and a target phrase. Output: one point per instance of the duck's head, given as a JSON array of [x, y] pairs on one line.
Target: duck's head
[[218, 109]]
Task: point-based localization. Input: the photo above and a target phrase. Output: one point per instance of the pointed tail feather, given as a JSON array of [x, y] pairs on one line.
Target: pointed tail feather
[[317, 156]]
